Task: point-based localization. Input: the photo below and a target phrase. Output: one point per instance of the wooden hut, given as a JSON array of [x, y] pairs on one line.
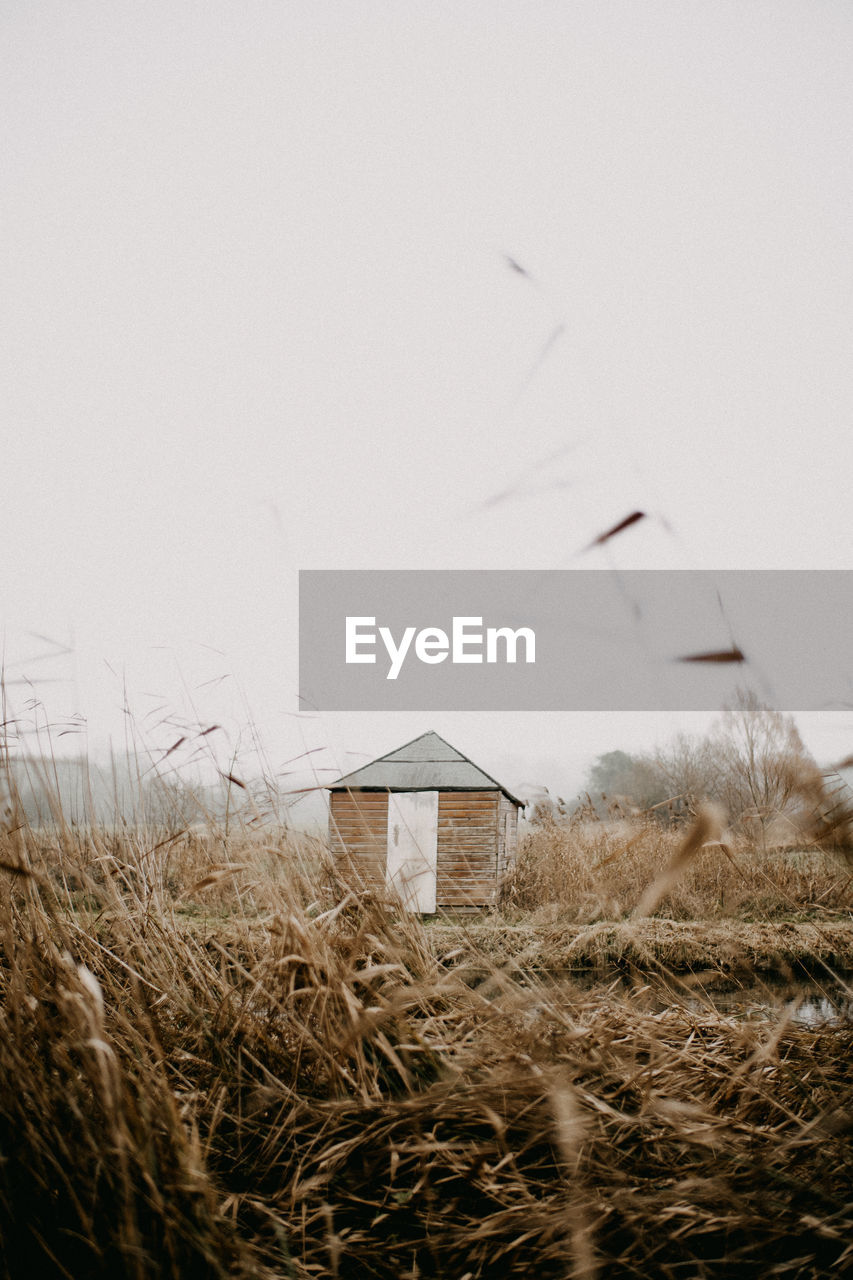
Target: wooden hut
[[427, 823]]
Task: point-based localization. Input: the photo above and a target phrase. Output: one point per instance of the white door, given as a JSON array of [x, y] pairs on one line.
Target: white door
[[413, 848]]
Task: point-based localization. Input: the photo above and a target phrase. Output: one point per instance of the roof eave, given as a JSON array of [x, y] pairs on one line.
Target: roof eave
[[343, 786]]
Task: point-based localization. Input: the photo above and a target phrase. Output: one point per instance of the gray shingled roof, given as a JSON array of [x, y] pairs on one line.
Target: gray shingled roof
[[427, 763]]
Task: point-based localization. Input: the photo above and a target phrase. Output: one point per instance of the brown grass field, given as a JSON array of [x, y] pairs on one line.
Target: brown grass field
[[216, 1063]]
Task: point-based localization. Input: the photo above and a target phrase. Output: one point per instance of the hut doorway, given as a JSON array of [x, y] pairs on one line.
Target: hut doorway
[[412, 863]]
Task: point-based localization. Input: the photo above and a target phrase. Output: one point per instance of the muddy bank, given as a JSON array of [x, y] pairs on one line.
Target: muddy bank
[[785, 949], [730, 946]]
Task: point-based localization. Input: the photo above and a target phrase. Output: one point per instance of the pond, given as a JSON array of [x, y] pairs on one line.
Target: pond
[[810, 1000]]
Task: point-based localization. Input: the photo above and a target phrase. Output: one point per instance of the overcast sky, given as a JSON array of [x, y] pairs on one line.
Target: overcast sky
[[258, 315]]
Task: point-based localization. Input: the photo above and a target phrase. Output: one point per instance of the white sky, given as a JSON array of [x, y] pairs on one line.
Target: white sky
[[257, 317]]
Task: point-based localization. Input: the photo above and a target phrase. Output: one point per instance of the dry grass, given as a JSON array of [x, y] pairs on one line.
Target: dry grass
[[95, 870], [725, 949], [320, 1095], [597, 871]]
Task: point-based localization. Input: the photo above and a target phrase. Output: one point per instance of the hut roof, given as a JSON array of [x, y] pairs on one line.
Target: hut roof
[[427, 763]]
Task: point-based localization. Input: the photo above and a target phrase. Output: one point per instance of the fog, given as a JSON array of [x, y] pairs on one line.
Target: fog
[[344, 286]]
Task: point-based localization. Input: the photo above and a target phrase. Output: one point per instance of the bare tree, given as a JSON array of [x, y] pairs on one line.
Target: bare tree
[[753, 763], [760, 760], [689, 772]]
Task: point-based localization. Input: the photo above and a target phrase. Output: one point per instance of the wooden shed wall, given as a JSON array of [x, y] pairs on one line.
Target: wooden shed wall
[[467, 847], [471, 841], [358, 833], [507, 835]]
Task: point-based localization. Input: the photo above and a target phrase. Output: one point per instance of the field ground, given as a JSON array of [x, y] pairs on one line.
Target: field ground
[[212, 1064], [776, 948]]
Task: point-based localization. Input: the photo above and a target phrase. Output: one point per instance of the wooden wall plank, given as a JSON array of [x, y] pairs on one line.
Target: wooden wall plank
[[358, 834], [467, 852]]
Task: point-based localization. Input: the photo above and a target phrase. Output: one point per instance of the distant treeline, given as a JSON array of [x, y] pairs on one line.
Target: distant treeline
[[752, 763], [127, 790]]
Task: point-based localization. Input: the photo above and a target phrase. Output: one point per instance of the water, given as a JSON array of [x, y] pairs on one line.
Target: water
[[808, 1001]]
